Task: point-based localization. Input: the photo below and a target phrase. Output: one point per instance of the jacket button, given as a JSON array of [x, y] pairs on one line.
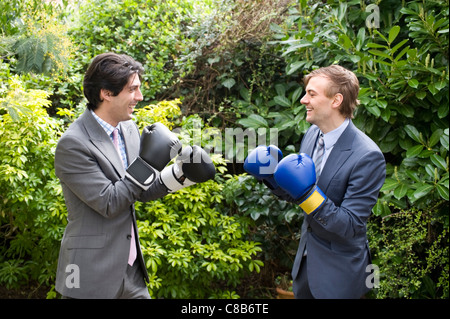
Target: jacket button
[[128, 236]]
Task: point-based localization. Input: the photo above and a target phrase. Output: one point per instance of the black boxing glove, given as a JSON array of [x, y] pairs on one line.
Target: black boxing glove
[[192, 166], [158, 146]]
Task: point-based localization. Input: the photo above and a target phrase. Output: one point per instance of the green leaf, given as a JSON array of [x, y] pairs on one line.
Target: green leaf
[[253, 121], [401, 191], [443, 191], [413, 83], [377, 46], [444, 139], [413, 133], [280, 89], [374, 110], [292, 67], [432, 89], [380, 54], [405, 109], [438, 161], [421, 95], [282, 100], [422, 191], [389, 184], [229, 83], [414, 151], [297, 93], [346, 42], [360, 38], [245, 94], [435, 137], [381, 103], [393, 33], [381, 209]]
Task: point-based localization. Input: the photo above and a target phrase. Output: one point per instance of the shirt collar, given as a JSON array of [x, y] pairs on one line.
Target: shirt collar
[[331, 137], [105, 125]]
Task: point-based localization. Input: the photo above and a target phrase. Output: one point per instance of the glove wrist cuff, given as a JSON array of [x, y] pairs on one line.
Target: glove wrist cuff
[[169, 178], [313, 200], [141, 173]]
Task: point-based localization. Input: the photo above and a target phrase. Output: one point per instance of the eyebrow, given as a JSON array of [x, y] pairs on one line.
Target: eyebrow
[[131, 81]]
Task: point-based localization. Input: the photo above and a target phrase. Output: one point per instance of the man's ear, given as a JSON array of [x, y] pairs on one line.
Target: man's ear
[[338, 99], [105, 95]]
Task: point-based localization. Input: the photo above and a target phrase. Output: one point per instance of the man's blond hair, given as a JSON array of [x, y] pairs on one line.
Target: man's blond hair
[[343, 81]]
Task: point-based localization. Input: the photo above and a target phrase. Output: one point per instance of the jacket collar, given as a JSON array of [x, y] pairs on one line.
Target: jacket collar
[[339, 155], [103, 143]]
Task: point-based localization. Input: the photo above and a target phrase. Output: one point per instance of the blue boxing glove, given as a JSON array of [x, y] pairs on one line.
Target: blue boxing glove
[[261, 163], [296, 174]]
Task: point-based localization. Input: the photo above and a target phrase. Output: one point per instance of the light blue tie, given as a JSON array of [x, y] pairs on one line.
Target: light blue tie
[[318, 155]]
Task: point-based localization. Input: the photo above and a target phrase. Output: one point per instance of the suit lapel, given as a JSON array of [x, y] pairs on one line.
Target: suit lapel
[[132, 146], [307, 145], [102, 142], [339, 155]]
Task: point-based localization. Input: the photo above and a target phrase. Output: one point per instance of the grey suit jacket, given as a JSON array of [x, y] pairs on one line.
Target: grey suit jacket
[[100, 203], [335, 235]]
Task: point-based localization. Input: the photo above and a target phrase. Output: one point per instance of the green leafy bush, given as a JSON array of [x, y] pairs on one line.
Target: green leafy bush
[[277, 222], [194, 247], [193, 250], [411, 249], [36, 37], [151, 31], [32, 209]]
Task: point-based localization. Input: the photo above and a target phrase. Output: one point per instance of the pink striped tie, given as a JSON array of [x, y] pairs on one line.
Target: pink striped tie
[[133, 251]]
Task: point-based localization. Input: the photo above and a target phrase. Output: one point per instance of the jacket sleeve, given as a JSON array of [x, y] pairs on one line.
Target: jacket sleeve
[[348, 218], [88, 175]]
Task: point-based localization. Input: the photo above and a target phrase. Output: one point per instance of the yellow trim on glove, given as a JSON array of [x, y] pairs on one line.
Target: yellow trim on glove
[[313, 201]]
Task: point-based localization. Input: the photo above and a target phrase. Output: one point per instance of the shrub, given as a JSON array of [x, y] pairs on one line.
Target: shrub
[[151, 31], [277, 222], [32, 209], [194, 247], [411, 249]]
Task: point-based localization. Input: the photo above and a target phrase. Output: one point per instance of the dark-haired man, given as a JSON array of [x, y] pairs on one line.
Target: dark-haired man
[[105, 166]]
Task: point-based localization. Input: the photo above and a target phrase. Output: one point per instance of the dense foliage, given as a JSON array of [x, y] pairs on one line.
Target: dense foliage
[[231, 64], [32, 210]]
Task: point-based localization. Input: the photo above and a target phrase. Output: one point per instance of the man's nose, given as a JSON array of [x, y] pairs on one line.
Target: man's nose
[[139, 96], [304, 100]]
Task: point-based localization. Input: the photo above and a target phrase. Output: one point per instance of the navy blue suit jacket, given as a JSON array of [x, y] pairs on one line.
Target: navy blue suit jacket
[[335, 235]]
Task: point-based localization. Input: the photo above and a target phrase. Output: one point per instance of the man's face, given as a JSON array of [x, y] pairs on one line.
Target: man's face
[[122, 105], [319, 109]]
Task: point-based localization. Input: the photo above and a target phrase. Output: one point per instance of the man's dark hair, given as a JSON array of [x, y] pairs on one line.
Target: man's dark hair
[[109, 71]]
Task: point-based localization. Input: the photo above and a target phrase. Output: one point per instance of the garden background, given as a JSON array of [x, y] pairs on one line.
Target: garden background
[[217, 64]]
